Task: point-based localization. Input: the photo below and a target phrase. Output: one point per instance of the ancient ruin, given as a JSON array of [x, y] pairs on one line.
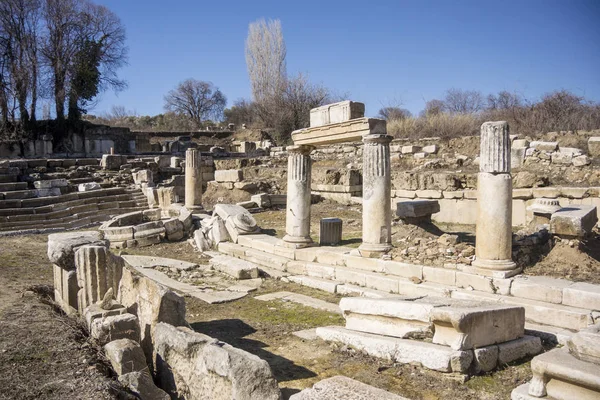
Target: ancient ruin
[[335, 214]]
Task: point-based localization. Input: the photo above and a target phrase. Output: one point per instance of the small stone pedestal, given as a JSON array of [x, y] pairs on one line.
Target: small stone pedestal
[[297, 219], [193, 180], [377, 213], [493, 238], [330, 231]]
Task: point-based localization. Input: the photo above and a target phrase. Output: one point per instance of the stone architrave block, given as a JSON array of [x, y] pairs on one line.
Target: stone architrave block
[[594, 146], [341, 387], [468, 325], [97, 271], [336, 112], [585, 344], [417, 208], [229, 175], [330, 232], [125, 356], [152, 303], [115, 327], [348, 131], [574, 221], [62, 246], [197, 366]]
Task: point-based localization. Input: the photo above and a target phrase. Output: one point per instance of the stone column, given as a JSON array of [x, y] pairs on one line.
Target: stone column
[[493, 237], [297, 218], [377, 213], [193, 180]]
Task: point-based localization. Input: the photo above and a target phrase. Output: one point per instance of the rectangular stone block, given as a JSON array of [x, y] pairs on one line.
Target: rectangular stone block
[[336, 112], [585, 344], [583, 295], [439, 275], [348, 131], [234, 267], [315, 283], [539, 288], [229, 175], [594, 146], [574, 221]]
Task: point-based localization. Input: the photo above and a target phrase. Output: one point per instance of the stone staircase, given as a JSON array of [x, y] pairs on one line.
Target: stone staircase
[[337, 270], [21, 212]]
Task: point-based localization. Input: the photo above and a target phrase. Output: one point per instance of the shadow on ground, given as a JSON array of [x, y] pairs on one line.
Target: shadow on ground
[[233, 332]]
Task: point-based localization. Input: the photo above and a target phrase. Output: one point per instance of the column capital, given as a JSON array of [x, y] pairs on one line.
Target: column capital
[[377, 139], [303, 149]]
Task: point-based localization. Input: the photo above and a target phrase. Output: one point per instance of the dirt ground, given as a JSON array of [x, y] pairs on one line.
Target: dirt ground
[[43, 355]]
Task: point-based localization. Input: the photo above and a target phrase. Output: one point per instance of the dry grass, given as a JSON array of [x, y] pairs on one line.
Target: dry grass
[[440, 125]]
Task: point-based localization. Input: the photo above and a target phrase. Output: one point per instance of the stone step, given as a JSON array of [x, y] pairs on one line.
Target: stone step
[[44, 201], [8, 178], [18, 195], [301, 299], [68, 222], [12, 186], [316, 283]]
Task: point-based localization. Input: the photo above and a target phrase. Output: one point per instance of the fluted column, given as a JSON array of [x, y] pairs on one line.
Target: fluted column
[[97, 271], [493, 238], [377, 213], [297, 218], [193, 179]]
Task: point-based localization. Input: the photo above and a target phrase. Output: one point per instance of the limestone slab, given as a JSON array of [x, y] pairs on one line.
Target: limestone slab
[[583, 295], [125, 355], [539, 288], [153, 262], [62, 246], [217, 297], [315, 283], [517, 349], [585, 344], [343, 388], [234, 267], [432, 356], [336, 112], [574, 221]]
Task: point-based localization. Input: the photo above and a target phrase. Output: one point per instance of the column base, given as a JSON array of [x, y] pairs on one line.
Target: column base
[[497, 268], [194, 209], [374, 250], [297, 242]]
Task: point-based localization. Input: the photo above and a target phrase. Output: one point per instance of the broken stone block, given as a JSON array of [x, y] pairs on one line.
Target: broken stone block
[[95, 311], [585, 344], [112, 161], [201, 242], [414, 210], [62, 246], [122, 326], [431, 149], [336, 112], [594, 146], [238, 220], [197, 366], [141, 383], [97, 271], [410, 149], [65, 289], [125, 356], [229, 175], [152, 303], [330, 232], [468, 325], [581, 161], [517, 349], [88, 186], [544, 146], [173, 229], [573, 221], [486, 358], [151, 228], [341, 387], [234, 267], [262, 200], [50, 183], [143, 176]]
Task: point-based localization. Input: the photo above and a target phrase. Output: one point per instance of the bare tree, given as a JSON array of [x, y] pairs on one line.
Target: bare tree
[[265, 59], [391, 113], [434, 107], [198, 100], [19, 23], [463, 101]]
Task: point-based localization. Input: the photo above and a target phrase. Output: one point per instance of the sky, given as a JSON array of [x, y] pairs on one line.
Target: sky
[[379, 52]]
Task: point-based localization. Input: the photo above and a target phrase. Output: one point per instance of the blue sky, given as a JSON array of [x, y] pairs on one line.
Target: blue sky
[[378, 52]]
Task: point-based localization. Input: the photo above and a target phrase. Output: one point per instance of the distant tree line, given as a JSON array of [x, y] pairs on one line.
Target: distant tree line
[[64, 51], [461, 112]]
